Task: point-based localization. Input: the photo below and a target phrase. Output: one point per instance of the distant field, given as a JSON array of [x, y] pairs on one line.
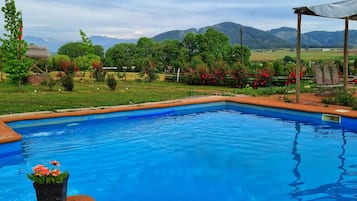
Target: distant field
[[314, 54]]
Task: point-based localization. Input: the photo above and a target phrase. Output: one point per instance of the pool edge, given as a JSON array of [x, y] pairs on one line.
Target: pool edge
[[9, 135]]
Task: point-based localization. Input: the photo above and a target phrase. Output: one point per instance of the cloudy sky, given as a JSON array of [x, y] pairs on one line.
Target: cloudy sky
[[132, 19]]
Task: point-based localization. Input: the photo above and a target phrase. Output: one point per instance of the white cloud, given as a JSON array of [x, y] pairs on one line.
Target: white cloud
[[136, 18]]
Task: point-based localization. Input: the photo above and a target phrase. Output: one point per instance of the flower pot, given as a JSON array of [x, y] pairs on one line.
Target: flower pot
[[51, 192]]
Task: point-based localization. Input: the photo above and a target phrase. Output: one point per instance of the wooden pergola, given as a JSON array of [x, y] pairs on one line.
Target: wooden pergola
[[38, 53], [346, 10]]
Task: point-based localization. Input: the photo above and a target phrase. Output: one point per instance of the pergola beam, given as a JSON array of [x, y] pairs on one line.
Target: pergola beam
[[298, 63], [345, 58]]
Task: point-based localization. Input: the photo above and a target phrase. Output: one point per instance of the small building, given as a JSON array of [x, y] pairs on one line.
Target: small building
[[40, 54]]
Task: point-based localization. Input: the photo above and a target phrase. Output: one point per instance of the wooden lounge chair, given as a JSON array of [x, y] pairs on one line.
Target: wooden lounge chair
[[327, 79]]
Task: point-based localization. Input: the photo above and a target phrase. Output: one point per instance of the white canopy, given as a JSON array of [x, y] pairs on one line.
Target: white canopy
[[340, 9]]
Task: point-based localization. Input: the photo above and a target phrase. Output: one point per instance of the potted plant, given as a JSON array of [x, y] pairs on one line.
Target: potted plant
[[49, 184]]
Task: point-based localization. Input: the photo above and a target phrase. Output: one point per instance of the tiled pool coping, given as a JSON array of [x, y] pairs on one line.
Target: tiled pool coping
[[9, 135]]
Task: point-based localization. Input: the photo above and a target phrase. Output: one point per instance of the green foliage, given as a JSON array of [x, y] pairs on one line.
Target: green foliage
[[55, 62], [49, 81], [121, 55], [239, 77], [85, 63], [150, 72], [98, 72], [72, 49], [345, 99], [237, 54], [77, 49], [111, 82], [67, 82], [13, 47], [265, 91], [279, 68], [145, 48], [209, 47], [88, 45], [288, 59]]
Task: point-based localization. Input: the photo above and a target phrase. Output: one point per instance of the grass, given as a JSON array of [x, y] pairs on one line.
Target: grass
[[94, 94], [311, 54]]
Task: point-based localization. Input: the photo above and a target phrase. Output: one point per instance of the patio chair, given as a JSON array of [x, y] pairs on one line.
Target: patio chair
[[327, 80]]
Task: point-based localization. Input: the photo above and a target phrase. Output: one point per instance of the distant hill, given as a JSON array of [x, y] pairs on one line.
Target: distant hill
[[107, 42], [252, 37], [286, 33], [283, 37], [316, 38], [51, 43]]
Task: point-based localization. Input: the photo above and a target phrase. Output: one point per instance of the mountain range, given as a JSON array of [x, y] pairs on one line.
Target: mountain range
[[283, 37]]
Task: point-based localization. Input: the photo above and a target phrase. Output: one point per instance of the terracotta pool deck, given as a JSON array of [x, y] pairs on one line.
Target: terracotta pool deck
[[308, 103]]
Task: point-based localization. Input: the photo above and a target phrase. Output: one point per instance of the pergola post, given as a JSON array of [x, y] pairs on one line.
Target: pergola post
[[298, 65], [345, 57]]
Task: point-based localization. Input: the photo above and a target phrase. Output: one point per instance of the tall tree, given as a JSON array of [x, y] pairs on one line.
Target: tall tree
[[13, 47], [121, 55], [88, 45]]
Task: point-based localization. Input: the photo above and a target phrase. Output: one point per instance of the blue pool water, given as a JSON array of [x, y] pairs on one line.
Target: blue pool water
[[218, 152]]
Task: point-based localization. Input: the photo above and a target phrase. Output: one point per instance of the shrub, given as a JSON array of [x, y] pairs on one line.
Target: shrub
[[98, 72], [69, 68], [67, 82], [263, 78], [292, 78], [150, 71], [51, 83], [354, 106], [48, 81], [345, 99], [111, 82], [329, 101], [240, 78]]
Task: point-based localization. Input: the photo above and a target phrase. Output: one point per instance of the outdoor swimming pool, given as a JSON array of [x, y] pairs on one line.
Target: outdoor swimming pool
[[217, 151]]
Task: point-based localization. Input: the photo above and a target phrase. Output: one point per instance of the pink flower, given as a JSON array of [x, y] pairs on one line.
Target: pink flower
[[55, 163], [56, 172], [41, 170]]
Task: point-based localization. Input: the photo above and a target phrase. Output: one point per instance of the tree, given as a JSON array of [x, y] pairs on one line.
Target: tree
[[73, 49], [169, 53], [237, 53], [190, 45], [88, 45], [13, 47], [121, 55], [210, 46], [77, 49], [145, 47]]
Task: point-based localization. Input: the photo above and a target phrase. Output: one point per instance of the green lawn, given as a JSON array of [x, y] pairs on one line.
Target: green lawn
[[94, 94], [312, 54]]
